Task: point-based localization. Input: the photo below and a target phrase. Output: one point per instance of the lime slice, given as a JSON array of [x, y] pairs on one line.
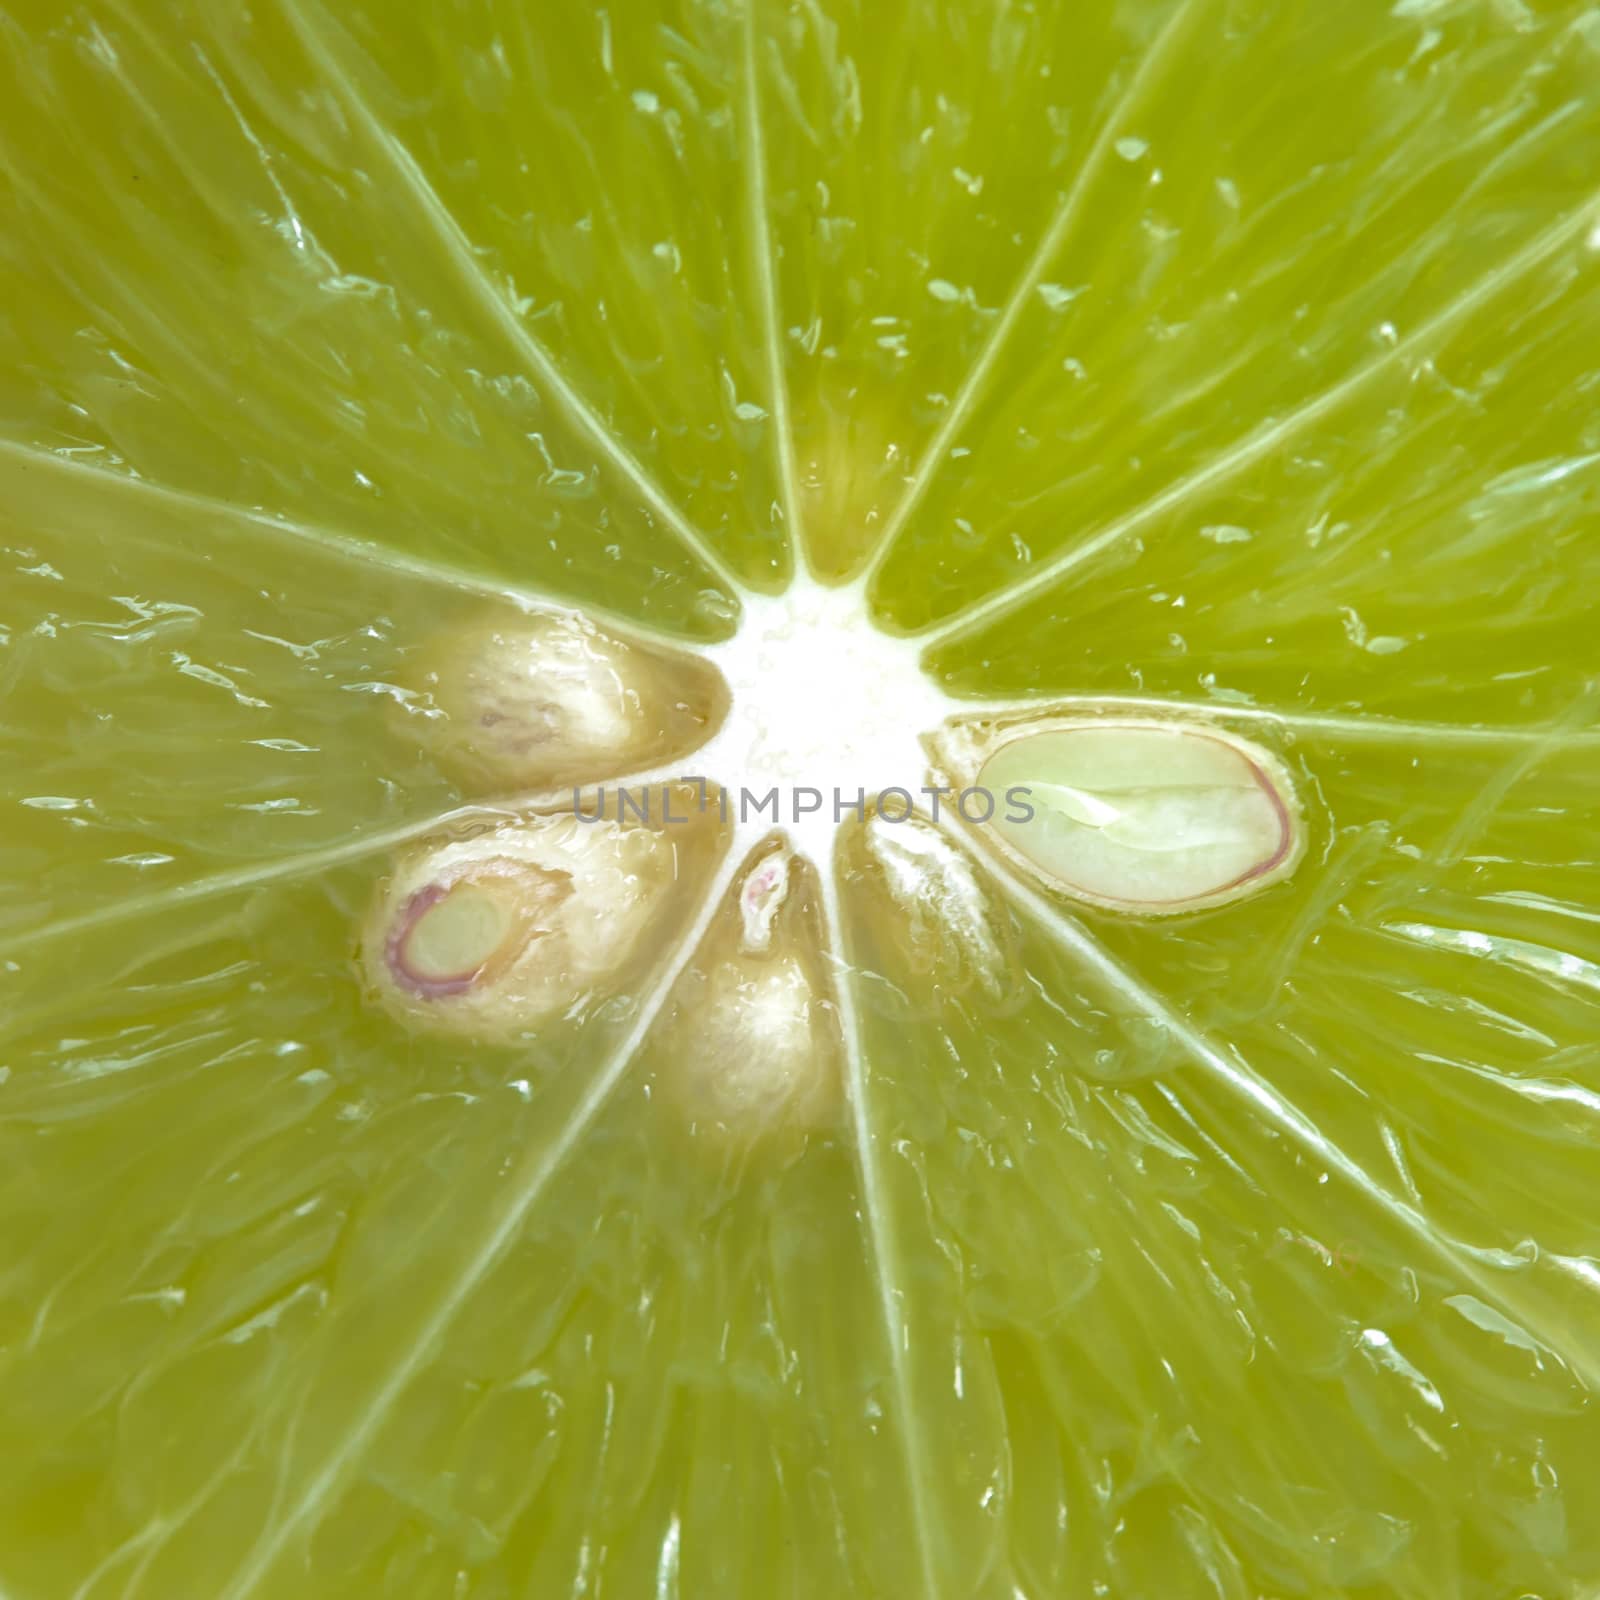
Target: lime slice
[[538, 544]]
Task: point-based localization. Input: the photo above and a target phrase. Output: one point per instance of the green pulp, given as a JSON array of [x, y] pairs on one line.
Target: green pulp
[[1232, 355]]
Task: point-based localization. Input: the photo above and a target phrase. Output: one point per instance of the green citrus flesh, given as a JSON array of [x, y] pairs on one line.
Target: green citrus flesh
[[1225, 362]]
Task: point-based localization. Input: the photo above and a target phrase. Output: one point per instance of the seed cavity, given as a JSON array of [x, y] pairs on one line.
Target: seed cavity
[[762, 898], [761, 1058], [499, 934], [928, 914], [533, 700], [752, 1051], [1144, 816]]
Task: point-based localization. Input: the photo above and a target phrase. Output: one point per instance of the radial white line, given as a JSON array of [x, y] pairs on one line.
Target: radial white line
[[530, 1186], [1243, 1080], [1256, 446], [339, 546], [879, 1231], [32, 458], [1049, 246], [1370, 729], [496, 809], [1473, 818], [493, 299], [301, 864], [764, 250]]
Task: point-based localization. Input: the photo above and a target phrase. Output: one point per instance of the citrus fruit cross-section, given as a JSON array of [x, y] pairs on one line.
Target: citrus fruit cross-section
[[799, 800]]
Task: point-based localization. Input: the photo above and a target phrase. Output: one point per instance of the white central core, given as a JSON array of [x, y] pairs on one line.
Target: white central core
[[824, 703]]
